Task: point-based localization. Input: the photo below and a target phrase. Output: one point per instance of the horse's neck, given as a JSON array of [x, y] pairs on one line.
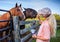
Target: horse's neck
[[12, 12]]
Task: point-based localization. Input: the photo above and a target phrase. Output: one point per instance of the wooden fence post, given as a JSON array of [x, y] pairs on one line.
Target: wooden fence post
[[16, 32]]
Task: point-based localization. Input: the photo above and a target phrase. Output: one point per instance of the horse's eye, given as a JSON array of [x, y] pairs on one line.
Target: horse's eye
[[18, 9]]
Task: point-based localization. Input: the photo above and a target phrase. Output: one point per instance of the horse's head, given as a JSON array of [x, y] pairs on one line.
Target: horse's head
[[30, 13], [17, 11]]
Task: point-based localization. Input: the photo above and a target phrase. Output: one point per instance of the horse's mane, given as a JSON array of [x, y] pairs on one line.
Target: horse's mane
[[32, 10], [32, 13]]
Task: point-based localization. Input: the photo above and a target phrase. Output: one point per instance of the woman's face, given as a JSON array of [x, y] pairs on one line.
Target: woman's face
[[41, 17]]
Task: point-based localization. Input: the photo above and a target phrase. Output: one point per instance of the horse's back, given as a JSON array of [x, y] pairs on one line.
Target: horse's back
[[4, 17]]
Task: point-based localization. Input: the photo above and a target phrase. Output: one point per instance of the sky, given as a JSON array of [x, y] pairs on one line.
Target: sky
[[54, 5]]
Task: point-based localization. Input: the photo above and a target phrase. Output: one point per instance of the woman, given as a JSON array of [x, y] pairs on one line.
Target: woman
[[47, 27]]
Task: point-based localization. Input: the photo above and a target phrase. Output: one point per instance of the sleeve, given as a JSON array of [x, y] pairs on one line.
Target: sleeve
[[40, 32], [47, 31]]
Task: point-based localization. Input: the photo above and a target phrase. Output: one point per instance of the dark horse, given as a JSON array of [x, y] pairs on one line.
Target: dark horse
[[16, 11], [29, 13]]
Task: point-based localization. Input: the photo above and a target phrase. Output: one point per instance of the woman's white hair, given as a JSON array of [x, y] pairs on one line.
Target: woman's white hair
[[53, 24], [44, 11], [51, 20]]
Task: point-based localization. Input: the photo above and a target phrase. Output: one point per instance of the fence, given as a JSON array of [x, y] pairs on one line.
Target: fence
[[23, 35], [58, 24], [6, 33]]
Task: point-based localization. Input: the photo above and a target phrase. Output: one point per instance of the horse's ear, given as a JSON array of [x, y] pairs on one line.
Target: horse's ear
[[16, 5], [20, 5]]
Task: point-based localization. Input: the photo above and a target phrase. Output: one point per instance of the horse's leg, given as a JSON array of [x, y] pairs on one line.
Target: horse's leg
[[4, 34], [7, 32]]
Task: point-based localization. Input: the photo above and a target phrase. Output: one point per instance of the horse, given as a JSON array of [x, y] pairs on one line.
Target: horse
[[15, 11], [29, 13]]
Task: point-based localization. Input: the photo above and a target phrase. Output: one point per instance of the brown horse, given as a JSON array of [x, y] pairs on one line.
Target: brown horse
[[16, 11]]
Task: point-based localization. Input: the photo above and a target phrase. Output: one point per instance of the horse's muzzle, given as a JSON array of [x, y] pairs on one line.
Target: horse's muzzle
[[22, 17]]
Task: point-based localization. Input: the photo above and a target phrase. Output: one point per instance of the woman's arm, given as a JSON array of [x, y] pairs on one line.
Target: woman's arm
[[39, 37]]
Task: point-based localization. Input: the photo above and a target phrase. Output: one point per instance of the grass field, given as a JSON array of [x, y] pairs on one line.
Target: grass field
[[57, 39]]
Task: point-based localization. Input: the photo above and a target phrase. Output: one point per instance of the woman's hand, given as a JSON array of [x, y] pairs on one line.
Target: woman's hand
[[34, 36]]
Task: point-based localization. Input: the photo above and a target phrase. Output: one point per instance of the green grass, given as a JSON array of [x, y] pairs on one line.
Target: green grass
[[57, 39]]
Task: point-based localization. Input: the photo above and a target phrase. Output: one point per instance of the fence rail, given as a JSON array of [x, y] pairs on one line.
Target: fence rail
[[6, 32], [23, 35]]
